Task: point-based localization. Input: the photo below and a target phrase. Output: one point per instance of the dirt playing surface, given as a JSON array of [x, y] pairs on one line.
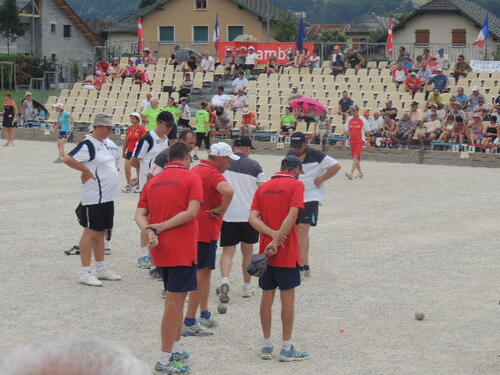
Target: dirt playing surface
[[406, 238]]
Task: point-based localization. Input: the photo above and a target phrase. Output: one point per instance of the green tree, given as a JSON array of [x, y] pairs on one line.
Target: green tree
[[11, 26], [145, 3], [332, 36], [286, 28], [378, 36]]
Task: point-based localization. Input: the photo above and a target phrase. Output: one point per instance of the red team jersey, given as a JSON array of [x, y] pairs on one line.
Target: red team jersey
[[356, 130], [210, 177], [134, 135], [166, 195], [273, 201]]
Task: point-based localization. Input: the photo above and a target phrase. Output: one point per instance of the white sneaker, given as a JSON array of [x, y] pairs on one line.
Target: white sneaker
[[137, 189], [247, 292], [108, 275], [107, 251], [89, 279]]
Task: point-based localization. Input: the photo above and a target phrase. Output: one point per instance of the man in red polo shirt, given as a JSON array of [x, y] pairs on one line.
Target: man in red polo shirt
[[167, 212], [217, 195], [275, 208], [356, 128]]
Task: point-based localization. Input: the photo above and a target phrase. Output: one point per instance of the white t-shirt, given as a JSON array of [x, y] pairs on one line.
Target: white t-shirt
[[251, 59], [146, 150], [244, 176], [315, 165], [207, 64], [374, 125], [220, 100], [240, 84], [400, 75], [145, 104], [443, 61], [100, 159]]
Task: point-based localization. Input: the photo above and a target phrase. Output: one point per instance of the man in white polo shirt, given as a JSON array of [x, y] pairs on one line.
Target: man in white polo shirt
[[100, 188], [318, 168], [245, 176], [145, 153]]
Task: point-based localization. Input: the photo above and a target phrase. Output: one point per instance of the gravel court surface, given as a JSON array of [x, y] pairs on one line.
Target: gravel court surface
[[406, 238]]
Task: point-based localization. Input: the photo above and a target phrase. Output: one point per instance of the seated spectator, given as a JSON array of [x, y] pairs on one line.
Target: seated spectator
[[337, 63], [389, 110], [354, 60], [375, 125], [461, 98], [92, 83], [148, 58], [443, 59], [447, 129], [223, 119], [390, 128], [146, 103], [406, 130], [131, 68], [185, 113], [116, 70], [474, 98], [288, 121], [272, 65], [240, 82], [482, 109], [220, 99], [456, 111], [207, 63], [440, 81], [322, 127], [426, 56], [416, 114], [399, 74], [189, 66], [175, 56], [475, 129], [420, 64], [295, 94], [432, 114], [345, 104], [102, 66], [300, 59], [141, 77], [314, 61], [436, 98], [186, 86], [459, 130], [413, 84], [403, 57], [430, 129], [248, 122], [239, 101], [461, 69], [496, 112], [291, 55], [239, 59], [434, 65], [425, 75], [491, 132], [228, 62], [250, 59]]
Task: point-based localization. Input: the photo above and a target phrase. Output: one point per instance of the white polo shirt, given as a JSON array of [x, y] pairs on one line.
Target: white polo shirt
[[244, 176], [100, 159], [315, 165], [146, 150], [251, 59], [220, 100]]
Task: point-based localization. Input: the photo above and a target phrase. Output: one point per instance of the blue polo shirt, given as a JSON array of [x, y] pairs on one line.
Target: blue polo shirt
[[440, 81], [462, 99], [346, 104]]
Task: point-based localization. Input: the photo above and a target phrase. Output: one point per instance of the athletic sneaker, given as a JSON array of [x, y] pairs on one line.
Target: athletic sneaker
[[58, 160], [89, 279], [195, 330], [127, 189], [137, 189], [107, 251], [292, 355], [180, 357], [360, 175], [224, 293], [144, 262], [266, 352], [108, 275], [208, 323], [247, 292], [173, 367], [75, 250], [155, 274], [349, 176]]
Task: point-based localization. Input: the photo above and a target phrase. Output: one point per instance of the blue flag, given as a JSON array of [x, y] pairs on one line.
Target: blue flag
[[301, 35]]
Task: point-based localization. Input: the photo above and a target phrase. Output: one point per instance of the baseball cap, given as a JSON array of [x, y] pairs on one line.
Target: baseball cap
[[476, 115], [297, 139], [413, 73], [441, 50], [295, 87], [222, 149], [292, 161], [58, 105], [136, 114], [355, 107], [388, 102], [103, 119], [413, 104], [228, 50], [439, 69], [251, 47], [243, 141], [245, 111], [146, 49], [183, 99], [475, 88]]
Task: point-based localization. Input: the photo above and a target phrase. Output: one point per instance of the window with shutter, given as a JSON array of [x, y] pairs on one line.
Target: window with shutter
[[422, 36], [458, 37]]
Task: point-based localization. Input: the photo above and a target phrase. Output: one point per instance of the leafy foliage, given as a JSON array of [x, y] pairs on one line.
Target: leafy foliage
[[286, 27], [378, 36], [332, 36], [11, 26]]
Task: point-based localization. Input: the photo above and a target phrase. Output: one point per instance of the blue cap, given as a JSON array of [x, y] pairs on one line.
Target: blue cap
[[291, 161], [441, 50]]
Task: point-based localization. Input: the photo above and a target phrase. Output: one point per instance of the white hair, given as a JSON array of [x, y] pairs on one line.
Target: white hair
[[73, 357]]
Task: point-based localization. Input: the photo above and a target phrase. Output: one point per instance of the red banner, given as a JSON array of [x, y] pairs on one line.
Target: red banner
[[263, 50]]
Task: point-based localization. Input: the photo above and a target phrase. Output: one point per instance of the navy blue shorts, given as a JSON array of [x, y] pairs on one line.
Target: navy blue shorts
[[280, 277], [64, 135], [129, 155], [206, 255], [180, 279], [309, 215]]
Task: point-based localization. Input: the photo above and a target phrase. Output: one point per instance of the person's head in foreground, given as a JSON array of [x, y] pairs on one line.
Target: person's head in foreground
[[102, 126], [72, 357], [355, 110], [243, 145], [165, 122], [298, 143], [59, 107], [293, 165], [179, 152], [221, 154]]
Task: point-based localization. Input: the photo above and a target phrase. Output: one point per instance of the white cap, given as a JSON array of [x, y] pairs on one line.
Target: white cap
[[58, 105], [245, 111], [136, 114], [475, 88], [251, 47], [295, 87], [222, 149]]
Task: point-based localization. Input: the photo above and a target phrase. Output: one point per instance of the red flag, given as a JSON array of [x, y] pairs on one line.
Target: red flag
[[140, 34], [390, 46]]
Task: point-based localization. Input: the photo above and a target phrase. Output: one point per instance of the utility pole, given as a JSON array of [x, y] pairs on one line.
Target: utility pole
[[268, 20], [32, 27]]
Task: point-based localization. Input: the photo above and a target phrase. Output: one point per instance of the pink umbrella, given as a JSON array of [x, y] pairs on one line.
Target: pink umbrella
[[308, 106]]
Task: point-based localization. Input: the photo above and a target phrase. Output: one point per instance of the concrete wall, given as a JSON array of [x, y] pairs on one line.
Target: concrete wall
[[478, 159], [182, 15]]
